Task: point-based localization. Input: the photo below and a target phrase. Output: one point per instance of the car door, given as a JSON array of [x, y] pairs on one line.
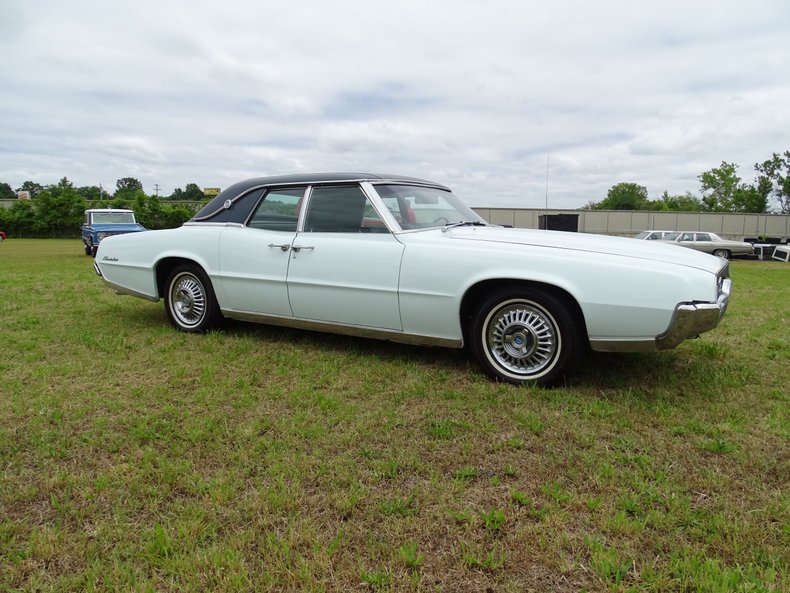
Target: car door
[[254, 258], [703, 242], [687, 240], [345, 263]]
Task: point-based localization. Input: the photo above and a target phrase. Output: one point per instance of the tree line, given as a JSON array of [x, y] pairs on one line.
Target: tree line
[[57, 210], [721, 189]]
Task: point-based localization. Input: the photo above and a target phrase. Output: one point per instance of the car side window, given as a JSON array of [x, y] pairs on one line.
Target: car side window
[[703, 237], [341, 209], [687, 237], [279, 210]]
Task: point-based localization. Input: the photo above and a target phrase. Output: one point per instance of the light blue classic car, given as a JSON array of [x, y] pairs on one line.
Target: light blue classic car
[[404, 259], [105, 222]]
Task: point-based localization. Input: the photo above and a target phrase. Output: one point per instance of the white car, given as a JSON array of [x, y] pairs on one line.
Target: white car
[[403, 259]]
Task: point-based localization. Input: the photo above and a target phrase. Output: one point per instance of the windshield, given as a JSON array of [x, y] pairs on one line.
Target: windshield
[[418, 207], [113, 217]]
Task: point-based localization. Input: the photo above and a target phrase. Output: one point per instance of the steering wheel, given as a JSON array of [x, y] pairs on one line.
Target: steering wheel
[[440, 219]]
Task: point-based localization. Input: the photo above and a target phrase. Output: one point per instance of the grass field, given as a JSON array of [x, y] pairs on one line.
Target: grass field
[[137, 458]]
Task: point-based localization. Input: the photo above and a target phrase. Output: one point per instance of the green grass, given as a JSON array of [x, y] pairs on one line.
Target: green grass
[[137, 458]]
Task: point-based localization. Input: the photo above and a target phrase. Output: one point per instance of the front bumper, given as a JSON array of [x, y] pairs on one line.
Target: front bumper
[[692, 319], [689, 320]]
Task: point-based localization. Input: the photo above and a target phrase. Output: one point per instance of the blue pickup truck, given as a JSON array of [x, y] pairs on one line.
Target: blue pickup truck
[[103, 222]]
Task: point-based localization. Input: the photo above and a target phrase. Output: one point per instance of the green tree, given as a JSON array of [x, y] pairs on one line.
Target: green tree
[[91, 193], [178, 194], [174, 216], [147, 209], [723, 191], [6, 193], [63, 185], [718, 187], [20, 219], [191, 193], [748, 198], [59, 210], [126, 187], [775, 172], [683, 203], [623, 196]]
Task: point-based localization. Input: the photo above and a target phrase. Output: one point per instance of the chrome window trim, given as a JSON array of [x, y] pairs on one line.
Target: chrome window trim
[[378, 205]]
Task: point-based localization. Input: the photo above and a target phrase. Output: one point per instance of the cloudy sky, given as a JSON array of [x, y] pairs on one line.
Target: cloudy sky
[[486, 96]]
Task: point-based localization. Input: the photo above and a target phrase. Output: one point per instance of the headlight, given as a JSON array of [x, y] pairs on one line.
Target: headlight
[[101, 236]]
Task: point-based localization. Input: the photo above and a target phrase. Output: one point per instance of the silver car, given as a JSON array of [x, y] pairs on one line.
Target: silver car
[[710, 243]]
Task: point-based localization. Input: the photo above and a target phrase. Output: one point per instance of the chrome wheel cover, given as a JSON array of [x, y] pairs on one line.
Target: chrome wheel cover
[[187, 300], [522, 338]]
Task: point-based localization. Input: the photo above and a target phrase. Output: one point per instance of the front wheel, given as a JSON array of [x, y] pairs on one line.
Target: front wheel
[[722, 253], [526, 335], [189, 300]]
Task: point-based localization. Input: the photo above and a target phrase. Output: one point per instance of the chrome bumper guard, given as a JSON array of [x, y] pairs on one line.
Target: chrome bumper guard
[[692, 319], [97, 270]]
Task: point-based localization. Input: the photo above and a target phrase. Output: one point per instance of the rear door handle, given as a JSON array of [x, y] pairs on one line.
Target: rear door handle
[[298, 248]]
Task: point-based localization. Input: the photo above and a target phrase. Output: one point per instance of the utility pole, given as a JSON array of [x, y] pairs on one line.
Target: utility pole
[[156, 189], [548, 158]]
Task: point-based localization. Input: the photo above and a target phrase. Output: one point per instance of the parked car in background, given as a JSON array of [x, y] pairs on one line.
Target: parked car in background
[[710, 243], [101, 223], [3, 236], [403, 259], [652, 235]]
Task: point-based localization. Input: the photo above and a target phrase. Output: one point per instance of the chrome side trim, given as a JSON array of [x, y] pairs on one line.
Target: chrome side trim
[[121, 290], [348, 330], [646, 345]]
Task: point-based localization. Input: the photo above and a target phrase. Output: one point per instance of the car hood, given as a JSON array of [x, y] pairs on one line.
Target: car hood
[[589, 243]]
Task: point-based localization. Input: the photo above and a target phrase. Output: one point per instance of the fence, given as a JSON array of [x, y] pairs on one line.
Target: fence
[[630, 222]]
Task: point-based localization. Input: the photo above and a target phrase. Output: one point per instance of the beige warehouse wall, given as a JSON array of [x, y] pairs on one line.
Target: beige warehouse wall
[[629, 223]]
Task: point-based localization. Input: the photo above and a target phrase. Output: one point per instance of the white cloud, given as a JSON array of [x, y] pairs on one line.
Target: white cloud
[[476, 94]]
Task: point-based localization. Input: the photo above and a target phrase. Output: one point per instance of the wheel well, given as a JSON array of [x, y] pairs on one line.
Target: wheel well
[[477, 293], [163, 269]]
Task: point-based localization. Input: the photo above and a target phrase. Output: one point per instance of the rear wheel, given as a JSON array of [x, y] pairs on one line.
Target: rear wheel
[[527, 335], [189, 300]]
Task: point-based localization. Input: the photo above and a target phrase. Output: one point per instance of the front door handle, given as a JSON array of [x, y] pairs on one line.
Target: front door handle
[[283, 247], [298, 248]]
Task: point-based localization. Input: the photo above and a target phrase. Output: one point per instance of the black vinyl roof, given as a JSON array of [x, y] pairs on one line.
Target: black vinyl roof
[[235, 191]]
